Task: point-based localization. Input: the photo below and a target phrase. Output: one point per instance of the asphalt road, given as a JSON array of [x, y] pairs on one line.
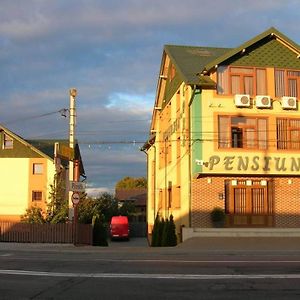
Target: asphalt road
[[135, 271]]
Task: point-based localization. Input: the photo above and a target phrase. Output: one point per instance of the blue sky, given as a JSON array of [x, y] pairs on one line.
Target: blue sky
[[110, 51]]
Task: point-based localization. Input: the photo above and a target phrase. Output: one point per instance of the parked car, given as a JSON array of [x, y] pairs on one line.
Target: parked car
[[119, 227]]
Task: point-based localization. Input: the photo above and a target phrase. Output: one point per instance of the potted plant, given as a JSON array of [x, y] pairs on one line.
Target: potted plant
[[217, 217]]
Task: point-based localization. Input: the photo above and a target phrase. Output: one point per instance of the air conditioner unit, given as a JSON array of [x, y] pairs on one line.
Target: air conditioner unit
[[242, 100], [289, 102], [263, 101]]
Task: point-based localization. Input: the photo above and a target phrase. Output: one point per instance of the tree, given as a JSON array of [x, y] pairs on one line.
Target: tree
[[107, 206], [127, 209], [33, 215], [57, 208], [132, 183], [86, 210]]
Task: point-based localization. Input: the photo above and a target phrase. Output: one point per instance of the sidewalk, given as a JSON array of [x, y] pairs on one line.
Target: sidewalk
[[242, 244], [193, 245]]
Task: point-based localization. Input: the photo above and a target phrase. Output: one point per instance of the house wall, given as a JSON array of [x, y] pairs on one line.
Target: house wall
[[14, 181], [206, 190], [168, 163], [17, 183], [282, 166]]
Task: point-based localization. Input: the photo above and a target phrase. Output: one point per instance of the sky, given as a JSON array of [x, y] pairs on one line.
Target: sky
[[110, 51]]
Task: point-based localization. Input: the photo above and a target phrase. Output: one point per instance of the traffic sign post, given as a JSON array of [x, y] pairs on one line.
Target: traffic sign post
[[75, 200]]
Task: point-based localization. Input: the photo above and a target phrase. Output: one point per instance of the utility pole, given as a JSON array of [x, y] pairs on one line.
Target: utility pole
[[73, 93]]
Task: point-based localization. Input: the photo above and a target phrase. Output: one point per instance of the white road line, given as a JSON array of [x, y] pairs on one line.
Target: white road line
[[5, 254], [151, 276], [197, 261]]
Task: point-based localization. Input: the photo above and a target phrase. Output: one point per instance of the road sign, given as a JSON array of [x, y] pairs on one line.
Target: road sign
[[75, 198], [77, 186], [65, 152]]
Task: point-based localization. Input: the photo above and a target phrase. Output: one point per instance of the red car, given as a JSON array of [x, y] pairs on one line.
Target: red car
[[119, 227]]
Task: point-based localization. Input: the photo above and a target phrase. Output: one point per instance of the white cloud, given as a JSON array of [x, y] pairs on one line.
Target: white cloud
[[95, 192]]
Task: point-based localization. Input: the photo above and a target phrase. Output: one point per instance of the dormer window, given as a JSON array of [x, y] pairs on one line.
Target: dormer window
[[8, 142]]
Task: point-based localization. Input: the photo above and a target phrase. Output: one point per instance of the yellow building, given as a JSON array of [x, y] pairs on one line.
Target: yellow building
[[27, 169], [225, 133]]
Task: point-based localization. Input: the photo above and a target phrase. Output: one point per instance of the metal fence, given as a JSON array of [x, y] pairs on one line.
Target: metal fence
[[45, 233]]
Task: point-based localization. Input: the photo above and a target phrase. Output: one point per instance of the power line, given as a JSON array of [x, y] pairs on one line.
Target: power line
[[62, 111]]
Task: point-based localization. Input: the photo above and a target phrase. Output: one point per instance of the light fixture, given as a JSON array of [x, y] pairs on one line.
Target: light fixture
[[163, 76]]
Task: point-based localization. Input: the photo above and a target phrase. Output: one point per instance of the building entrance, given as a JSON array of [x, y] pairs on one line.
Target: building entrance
[[249, 203]]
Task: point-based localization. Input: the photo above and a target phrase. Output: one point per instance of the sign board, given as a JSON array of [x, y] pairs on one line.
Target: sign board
[[77, 186], [65, 152], [75, 198]]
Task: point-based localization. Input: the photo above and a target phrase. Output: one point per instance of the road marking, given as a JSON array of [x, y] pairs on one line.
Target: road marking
[[196, 261], [151, 276], [5, 254]]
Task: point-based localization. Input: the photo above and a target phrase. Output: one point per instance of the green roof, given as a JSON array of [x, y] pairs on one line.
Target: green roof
[[193, 63], [255, 42], [190, 61], [47, 147]]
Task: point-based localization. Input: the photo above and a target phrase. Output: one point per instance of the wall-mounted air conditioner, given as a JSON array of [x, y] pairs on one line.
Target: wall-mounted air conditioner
[[242, 100], [289, 102], [263, 101]]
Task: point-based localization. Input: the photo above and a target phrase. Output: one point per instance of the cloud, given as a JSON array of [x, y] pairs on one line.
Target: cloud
[[110, 51], [95, 192]]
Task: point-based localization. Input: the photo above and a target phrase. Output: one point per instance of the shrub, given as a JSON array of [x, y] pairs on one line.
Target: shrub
[[33, 215], [217, 216], [99, 232], [155, 232]]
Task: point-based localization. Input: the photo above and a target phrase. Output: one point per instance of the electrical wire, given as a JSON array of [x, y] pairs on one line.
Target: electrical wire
[[61, 111]]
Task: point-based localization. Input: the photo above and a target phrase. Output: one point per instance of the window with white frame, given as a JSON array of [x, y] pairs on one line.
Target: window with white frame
[[8, 142], [37, 168]]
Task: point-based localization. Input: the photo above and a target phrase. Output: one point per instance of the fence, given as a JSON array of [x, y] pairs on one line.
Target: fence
[[138, 229], [45, 233]]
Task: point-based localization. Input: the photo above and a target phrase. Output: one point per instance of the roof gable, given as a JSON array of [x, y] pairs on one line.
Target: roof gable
[[276, 49], [21, 147], [270, 54]]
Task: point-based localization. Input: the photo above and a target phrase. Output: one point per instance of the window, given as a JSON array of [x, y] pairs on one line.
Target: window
[[287, 83], [37, 168], [172, 72], [288, 133], [241, 80], [242, 132], [7, 142], [37, 195]]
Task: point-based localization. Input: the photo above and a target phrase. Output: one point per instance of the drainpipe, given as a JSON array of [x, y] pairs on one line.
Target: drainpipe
[[190, 167]]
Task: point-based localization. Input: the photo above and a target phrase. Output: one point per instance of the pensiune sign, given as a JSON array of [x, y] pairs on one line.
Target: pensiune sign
[[254, 164]]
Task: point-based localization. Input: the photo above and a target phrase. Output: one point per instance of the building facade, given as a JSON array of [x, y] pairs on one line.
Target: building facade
[[225, 132], [27, 169]]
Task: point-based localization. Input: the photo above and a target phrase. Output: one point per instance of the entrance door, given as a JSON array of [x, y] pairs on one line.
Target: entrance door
[[249, 204]]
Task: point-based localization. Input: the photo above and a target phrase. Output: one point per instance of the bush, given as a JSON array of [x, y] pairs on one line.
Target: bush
[[155, 232], [172, 233], [217, 217], [164, 233], [99, 232], [33, 215]]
